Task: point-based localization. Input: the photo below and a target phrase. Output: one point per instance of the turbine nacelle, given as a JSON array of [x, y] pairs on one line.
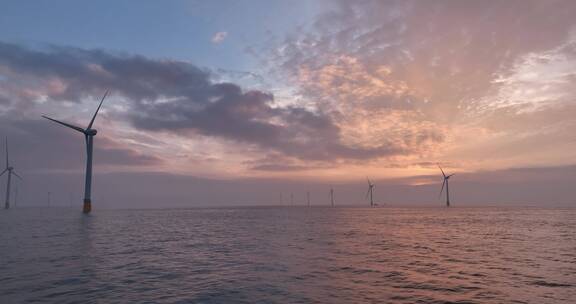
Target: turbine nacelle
[[91, 132]]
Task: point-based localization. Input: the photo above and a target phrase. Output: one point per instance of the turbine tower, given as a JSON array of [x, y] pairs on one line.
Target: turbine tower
[[89, 134], [308, 197], [370, 192], [11, 172], [16, 196], [332, 196], [445, 182]]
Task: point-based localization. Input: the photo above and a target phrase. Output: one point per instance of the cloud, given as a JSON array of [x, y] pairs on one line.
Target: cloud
[[392, 82], [447, 70], [178, 97], [219, 37]]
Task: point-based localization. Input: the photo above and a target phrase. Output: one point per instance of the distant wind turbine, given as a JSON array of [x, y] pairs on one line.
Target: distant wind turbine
[[308, 197], [10, 171], [331, 195], [370, 192], [89, 134], [445, 182]]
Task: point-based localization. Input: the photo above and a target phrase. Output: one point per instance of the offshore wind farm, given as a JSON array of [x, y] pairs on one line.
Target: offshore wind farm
[[288, 152]]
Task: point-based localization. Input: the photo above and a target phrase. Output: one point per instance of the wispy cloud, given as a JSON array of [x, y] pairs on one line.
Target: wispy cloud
[[441, 75], [219, 37]]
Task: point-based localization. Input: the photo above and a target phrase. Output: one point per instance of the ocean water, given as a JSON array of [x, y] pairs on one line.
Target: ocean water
[[288, 255]]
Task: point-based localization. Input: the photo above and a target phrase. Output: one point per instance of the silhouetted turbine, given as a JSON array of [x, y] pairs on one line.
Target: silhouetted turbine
[[445, 182], [11, 172], [370, 192], [331, 195], [89, 134]]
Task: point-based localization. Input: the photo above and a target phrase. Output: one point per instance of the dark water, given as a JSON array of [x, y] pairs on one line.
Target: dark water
[[288, 255]]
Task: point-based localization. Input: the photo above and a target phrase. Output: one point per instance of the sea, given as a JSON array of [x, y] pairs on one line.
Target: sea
[[288, 255]]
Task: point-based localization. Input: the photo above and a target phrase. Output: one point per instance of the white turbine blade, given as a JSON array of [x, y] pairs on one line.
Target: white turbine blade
[[3, 171], [18, 176], [441, 190], [443, 174], [65, 124], [98, 109]]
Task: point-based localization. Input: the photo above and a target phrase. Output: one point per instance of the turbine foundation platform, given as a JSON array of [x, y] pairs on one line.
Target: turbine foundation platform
[[87, 206]]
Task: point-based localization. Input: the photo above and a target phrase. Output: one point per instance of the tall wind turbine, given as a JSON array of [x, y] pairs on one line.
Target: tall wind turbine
[[11, 172], [308, 198], [331, 195], [370, 192], [89, 134], [445, 182]]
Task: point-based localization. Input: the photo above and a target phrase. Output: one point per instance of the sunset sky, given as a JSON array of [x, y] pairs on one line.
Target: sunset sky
[[235, 102]]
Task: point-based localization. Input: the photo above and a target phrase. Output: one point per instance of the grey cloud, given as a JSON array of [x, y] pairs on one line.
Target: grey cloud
[[90, 72], [179, 97]]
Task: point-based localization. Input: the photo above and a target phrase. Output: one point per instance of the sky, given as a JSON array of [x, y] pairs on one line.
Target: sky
[[244, 102]]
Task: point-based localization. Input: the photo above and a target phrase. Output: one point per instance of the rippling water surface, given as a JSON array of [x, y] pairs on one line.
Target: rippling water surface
[[289, 255]]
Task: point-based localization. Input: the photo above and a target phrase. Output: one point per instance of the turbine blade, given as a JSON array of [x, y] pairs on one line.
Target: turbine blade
[[18, 176], [98, 109], [65, 124], [442, 190], [441, 170], [6, 151], [368, 192], [450, 174], [3, 171]]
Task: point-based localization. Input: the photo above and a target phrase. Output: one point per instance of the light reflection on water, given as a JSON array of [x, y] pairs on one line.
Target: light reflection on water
[[289, 255]]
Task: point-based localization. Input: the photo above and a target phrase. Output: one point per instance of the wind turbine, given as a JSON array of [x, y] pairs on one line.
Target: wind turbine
[[370, 192], [446, 178], [10, 171], [331, 195], [308, 197], [89, 134]]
